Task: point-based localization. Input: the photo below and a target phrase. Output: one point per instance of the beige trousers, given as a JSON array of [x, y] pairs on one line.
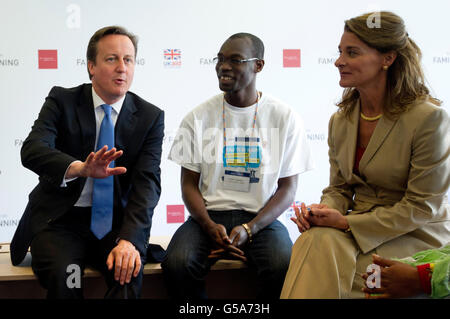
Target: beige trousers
[[325, 263]]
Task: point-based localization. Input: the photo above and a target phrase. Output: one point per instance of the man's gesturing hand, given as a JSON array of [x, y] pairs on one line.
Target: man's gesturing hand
[[96, 165]]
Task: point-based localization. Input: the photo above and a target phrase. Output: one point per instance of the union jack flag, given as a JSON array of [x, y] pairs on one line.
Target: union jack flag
[[172, 54]]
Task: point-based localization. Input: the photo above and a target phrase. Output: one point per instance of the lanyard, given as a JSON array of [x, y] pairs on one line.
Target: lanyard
[[223, 117]]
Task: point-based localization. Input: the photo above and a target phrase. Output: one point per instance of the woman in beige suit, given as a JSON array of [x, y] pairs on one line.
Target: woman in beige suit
[[389, 152]]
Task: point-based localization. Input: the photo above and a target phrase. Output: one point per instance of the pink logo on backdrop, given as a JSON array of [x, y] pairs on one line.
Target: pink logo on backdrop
[[291, 58], [48, 59], [175, 214]]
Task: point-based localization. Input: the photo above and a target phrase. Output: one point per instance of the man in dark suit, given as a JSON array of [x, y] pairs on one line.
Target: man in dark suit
[[60, 222]]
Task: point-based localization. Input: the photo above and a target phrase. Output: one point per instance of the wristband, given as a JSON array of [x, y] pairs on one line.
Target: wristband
[[249, 232], [425, 272]]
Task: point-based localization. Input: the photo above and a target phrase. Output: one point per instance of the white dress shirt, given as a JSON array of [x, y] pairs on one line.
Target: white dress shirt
[[85, 199]]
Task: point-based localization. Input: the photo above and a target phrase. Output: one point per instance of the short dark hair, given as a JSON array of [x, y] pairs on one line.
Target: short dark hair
[[91, 53], [258, 45]]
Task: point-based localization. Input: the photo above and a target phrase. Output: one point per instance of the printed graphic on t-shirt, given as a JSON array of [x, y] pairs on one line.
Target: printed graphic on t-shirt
[[245, 153]]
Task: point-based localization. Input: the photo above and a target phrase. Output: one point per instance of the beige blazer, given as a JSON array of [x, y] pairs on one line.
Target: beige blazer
[[399, 202]]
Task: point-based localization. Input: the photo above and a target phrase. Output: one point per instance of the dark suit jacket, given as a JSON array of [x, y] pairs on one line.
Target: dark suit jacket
[[65, 132]]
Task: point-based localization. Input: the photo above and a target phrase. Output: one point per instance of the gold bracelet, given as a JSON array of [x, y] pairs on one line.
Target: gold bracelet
[[348, 230], [249, 232]]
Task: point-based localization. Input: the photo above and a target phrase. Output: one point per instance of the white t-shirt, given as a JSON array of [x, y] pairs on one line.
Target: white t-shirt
[[276, 148]]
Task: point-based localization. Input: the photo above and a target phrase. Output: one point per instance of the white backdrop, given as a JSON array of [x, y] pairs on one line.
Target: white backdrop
[[197, 29]]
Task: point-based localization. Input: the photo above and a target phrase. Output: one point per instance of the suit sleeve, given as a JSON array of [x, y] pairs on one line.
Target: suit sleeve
[[145, 188], [338, 194], [428, 181], [39, 152]]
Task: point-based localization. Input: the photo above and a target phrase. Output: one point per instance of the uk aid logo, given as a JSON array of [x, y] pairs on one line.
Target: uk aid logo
[[172, 58]]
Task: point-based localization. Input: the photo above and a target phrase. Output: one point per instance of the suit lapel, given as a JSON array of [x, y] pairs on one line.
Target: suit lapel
[[352, 137], [125, 123], [86, 117], [380, 133]]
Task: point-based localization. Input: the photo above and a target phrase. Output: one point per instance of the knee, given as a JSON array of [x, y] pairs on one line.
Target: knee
[[174, 262], [276, 265], [325, 243], [182, 264], [279, 266], [322, 236], [57, 273]]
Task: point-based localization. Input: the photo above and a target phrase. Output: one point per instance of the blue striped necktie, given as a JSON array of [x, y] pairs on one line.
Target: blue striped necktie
[[103, 188]]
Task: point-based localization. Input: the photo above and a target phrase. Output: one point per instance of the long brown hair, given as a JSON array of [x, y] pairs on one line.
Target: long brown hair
[[405, 78]]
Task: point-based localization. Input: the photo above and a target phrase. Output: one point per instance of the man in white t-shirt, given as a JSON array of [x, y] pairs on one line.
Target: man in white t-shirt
[[236, 181]]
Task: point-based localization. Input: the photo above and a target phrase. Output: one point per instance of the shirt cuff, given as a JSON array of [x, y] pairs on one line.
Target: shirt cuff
[[67, 180]]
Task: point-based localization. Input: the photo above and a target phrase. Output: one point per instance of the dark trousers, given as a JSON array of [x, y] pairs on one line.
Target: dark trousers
[[66, 246], [187, 262]]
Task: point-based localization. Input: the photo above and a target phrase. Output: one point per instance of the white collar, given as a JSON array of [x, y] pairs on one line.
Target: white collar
[[97, 100]]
